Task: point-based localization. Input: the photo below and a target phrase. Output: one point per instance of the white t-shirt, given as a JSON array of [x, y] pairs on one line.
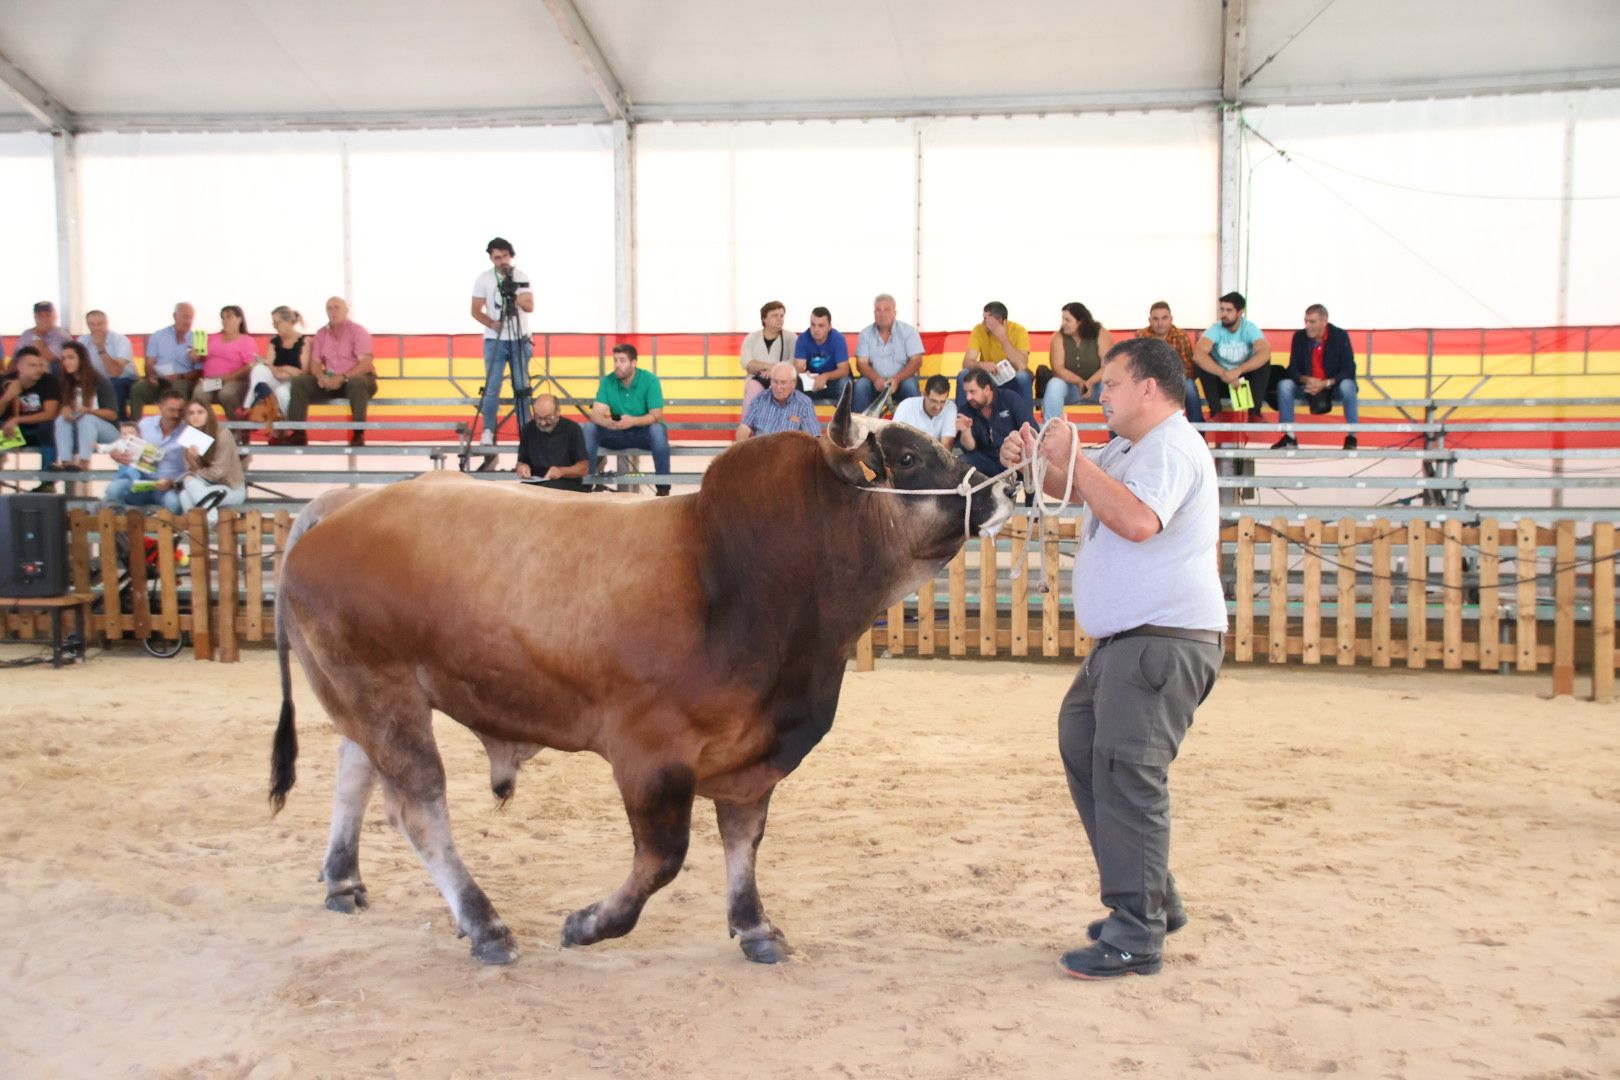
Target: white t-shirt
[[118, 348], [1170, 579], [486, 288], [912, 413]]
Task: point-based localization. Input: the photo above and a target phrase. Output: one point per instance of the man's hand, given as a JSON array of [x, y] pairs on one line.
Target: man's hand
[[152, 377], [996, 328], [1314, 385], [553, 473], [1231, 376], [524, 472], [879, 383], [333, 381], [122, 457], [963, 423], [11, 430], [165, 484], [801, 366], [820, 383]]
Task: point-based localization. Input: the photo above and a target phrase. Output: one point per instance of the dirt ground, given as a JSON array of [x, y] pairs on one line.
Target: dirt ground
[[1388, 874]]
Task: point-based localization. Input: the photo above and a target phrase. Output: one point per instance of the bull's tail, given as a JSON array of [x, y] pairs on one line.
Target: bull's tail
[[284, 749]]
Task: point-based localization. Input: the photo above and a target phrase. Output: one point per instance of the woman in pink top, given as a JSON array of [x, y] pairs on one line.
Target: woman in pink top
[[228, 363]]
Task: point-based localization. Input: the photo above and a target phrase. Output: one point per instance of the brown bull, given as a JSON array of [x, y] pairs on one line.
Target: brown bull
[[696, 643]]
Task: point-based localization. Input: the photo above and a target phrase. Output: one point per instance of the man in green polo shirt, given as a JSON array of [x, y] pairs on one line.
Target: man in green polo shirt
[[629, 414]]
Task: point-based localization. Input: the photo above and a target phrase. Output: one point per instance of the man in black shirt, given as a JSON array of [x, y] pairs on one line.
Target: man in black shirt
[[29, 399], [551, 449]]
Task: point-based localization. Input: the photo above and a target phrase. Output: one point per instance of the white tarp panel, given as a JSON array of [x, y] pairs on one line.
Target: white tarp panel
[[28, 272]]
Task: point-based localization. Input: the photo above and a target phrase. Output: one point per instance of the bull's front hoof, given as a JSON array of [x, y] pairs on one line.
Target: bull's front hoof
[[580, 928], [500, 949], [767, 950], [348, 901]]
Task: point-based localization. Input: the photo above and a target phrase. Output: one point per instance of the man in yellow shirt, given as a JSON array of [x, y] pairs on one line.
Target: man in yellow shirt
[[996, 339]]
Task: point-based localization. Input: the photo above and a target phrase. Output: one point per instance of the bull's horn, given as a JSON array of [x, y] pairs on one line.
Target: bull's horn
[[842, 429]]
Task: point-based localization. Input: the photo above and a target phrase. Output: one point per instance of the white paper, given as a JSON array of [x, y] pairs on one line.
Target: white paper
[[1003, 372], [807, 381], [209, 385], [196, 439]]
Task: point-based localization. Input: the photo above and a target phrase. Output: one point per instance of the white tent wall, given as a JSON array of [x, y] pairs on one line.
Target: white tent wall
[[1433, 213], [28, 272]]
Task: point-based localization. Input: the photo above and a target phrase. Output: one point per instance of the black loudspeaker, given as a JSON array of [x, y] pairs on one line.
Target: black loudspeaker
[[33, 545]]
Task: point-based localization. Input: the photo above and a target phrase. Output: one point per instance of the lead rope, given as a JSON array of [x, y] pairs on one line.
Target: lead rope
[[1034, 477]]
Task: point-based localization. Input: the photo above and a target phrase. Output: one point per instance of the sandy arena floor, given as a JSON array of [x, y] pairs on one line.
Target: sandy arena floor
[[1389, 874]]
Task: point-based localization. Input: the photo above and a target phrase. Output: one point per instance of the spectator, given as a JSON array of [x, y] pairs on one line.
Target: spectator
[[112, 355], [213, 478], [822, 353], [889, 353], [1232, 349], [994, 340], [628, 414], [88, 411], [30, 398], [502, 301], [171, 362], [765, 348], [1162, 326], [1321, 358], [160, 483], [551, 449], [340, 366], [289, 357], [993, 413], [785, 408], [45, 335], [1075, 353], [933, 411], [232, 353]]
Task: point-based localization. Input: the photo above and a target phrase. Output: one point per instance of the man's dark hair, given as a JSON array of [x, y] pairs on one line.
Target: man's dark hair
[[937, 384], [1153, 358], [820, 313], [171, 392], [499, 244], [26, 350], [1236, 300], [626, 348], [996, 308], [980, 377]]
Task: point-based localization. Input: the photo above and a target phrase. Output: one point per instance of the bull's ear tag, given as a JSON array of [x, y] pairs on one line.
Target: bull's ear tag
[[866, 471]]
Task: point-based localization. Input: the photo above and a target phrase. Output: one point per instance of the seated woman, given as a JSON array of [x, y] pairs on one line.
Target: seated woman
[[214, 478], [89, 407], [289, 356], [1076, 353], [228, 363]]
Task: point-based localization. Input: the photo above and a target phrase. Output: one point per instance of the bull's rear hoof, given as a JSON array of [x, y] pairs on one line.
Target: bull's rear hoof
[[580, 928], [767, 950], [348, 901], [501, 949]]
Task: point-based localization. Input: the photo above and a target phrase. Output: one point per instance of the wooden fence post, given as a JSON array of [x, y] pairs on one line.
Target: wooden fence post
[[225, 542], [925, 619], [1019, 535], [1345, 631], [253, 554], [1243, 591], [1383, 591], [1452, 604], [1277, 598], [112, 619], [140, 606], [168, 581], [989, 610], [1051, 613], [202, 642], [1603, 570], [1490, 595], [1417, 594], [1525, 632], [1564, 610], [957, 616], [79, 569], [863, 652], [1311, 631]]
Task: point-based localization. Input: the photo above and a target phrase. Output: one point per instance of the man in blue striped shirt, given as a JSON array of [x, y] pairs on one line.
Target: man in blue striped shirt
[[785, 408]]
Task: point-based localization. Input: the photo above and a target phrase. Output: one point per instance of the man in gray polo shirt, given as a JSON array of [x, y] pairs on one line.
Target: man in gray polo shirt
[[1147, 590]]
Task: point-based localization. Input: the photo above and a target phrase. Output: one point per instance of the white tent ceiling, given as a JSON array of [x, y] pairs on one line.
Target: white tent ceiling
[[97, 65]]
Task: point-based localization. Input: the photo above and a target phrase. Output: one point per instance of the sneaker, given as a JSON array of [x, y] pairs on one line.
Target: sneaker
[[1349, 442], [487, 438], [661, 490], [44, 489], [1171, 925], [1101, 961], [1285, 443]]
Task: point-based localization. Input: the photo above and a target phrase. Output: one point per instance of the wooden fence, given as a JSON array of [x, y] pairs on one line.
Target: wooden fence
[[1495, 597]]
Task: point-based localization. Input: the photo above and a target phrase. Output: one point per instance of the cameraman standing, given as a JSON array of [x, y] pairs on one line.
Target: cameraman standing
[[501, 302]]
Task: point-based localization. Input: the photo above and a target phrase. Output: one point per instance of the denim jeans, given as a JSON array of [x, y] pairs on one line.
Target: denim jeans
[[498, 356], [76, 439], [1023, 382], [833, 392], [866, 393], [653, 438], [41, 437], [1344, 390], [121, 387], [118, 491], [1060, 393], [1195, 407]]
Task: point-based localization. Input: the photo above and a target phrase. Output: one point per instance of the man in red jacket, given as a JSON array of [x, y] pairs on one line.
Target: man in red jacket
[[1322, 361]]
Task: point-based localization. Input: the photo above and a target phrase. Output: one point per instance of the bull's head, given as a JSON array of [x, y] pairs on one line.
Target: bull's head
[[870, 453]]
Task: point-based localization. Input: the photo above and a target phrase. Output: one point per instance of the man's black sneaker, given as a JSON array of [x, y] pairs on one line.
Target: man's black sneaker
[[1349, 442], [1106, 962], [1171, 925], [1284, 443], [661, 489]]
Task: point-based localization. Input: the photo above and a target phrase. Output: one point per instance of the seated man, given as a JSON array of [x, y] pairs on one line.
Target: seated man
[[888, 354], [784, 408], [993, 413], [46, 336], [823, 353], [629, 414], [162, 431], [1322, 358], [994, 340], [551, 449], [30, 397], [1163, 326], [112, 355], [340, 366], [1233, 349], [171, 362], [933, 412], [764, 348]]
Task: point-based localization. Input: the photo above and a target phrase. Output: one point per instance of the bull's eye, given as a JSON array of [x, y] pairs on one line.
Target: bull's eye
[[907, 460]]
